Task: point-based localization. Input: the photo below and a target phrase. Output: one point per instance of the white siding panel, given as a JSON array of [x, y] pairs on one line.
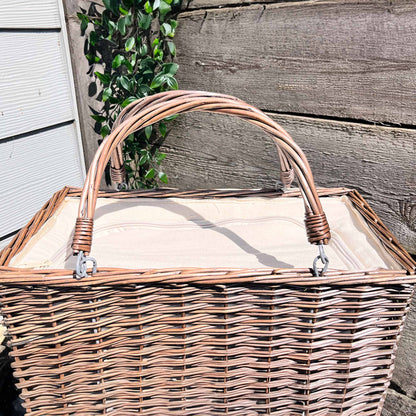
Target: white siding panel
[[32, 168], [29, 14], [3, 243], [35, 87]]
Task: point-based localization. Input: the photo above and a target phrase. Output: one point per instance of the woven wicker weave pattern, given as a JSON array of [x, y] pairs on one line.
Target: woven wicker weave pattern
[[192, 341], [194, 350], [205, 341]]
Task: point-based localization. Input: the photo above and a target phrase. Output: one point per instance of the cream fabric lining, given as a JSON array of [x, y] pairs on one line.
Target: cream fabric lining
[[231, 232]]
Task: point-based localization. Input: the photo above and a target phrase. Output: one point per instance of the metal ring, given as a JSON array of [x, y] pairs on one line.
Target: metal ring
[[121, 186], [81, 267], [324, 259]]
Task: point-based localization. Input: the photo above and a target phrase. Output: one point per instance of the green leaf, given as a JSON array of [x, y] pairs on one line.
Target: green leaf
[[170, 68], [93, 38], [98, 118], [155, 42], [143, 50], [92, 58], [128, 19], [158, 80], [128, 65], [122, 25], [156, 4], [124, 82], [148, 131], [172, 83], [150, 174], [117, 61], [145, 90], [130, 44], [147, 63], [144, 20], [105, 130], [144, 159], [170, 118], [172, 48], [173, 23], [122, 10], [111, 28], [128, 101], [160, 157], [133, 58], [112, 6], [166, 29], [164, 8], [148, 8], [163, 177], [158, 54], [104, 78], [107, 93], [162, 129], [84, 23]]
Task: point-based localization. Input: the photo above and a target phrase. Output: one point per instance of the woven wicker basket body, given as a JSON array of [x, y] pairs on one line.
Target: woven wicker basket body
[[210, 341]]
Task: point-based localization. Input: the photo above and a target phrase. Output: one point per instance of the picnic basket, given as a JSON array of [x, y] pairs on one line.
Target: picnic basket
[[205, 302]]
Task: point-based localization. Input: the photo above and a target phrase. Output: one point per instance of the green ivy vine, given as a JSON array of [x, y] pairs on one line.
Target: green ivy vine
[[130, 49]]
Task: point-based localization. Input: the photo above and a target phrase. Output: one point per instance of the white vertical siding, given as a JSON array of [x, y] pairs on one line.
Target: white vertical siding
[[40, 143]]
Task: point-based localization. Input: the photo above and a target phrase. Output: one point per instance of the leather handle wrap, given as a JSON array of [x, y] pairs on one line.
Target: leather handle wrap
[[159, 106], [118, 171]]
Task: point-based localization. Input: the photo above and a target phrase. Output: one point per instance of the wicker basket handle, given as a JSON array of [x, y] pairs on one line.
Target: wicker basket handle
[[117, 169], [159, 106]]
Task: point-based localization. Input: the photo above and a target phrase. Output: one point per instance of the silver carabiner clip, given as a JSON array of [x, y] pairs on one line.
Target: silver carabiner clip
[[324, 259], [81, 267], [122, 186]]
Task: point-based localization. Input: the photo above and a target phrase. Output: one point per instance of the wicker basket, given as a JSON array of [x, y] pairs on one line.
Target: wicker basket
[[301, 340]]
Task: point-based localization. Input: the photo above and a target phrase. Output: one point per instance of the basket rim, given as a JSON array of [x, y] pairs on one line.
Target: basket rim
[[14, 275], [107, 276]]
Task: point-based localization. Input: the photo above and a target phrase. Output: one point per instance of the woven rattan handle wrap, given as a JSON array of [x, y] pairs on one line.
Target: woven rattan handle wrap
[[117, 169], [159, 106]]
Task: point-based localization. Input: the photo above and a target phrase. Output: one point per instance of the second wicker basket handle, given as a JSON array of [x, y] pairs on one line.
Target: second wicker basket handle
[[160, 106]]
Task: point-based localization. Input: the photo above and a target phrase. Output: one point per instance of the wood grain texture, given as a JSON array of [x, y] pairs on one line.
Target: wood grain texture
[[85, 87], [405, 364], [340, 58], [397, 404], [211, 151], [32, 168], [204, 4], [35, 89], [29, 14]]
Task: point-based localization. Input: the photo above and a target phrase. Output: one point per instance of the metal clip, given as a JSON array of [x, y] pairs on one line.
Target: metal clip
[[81, 268], [122, 186], [324, 259]]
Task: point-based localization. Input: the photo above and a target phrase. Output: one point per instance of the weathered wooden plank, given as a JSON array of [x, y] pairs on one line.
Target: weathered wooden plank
[[338, 58], [210, 151], [32, 168], [86, 88], [35, 89], [405, 364], [397, 404], [29, 14], [204, 4]]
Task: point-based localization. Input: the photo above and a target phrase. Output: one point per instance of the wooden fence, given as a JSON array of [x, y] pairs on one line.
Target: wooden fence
[[339, 75]]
